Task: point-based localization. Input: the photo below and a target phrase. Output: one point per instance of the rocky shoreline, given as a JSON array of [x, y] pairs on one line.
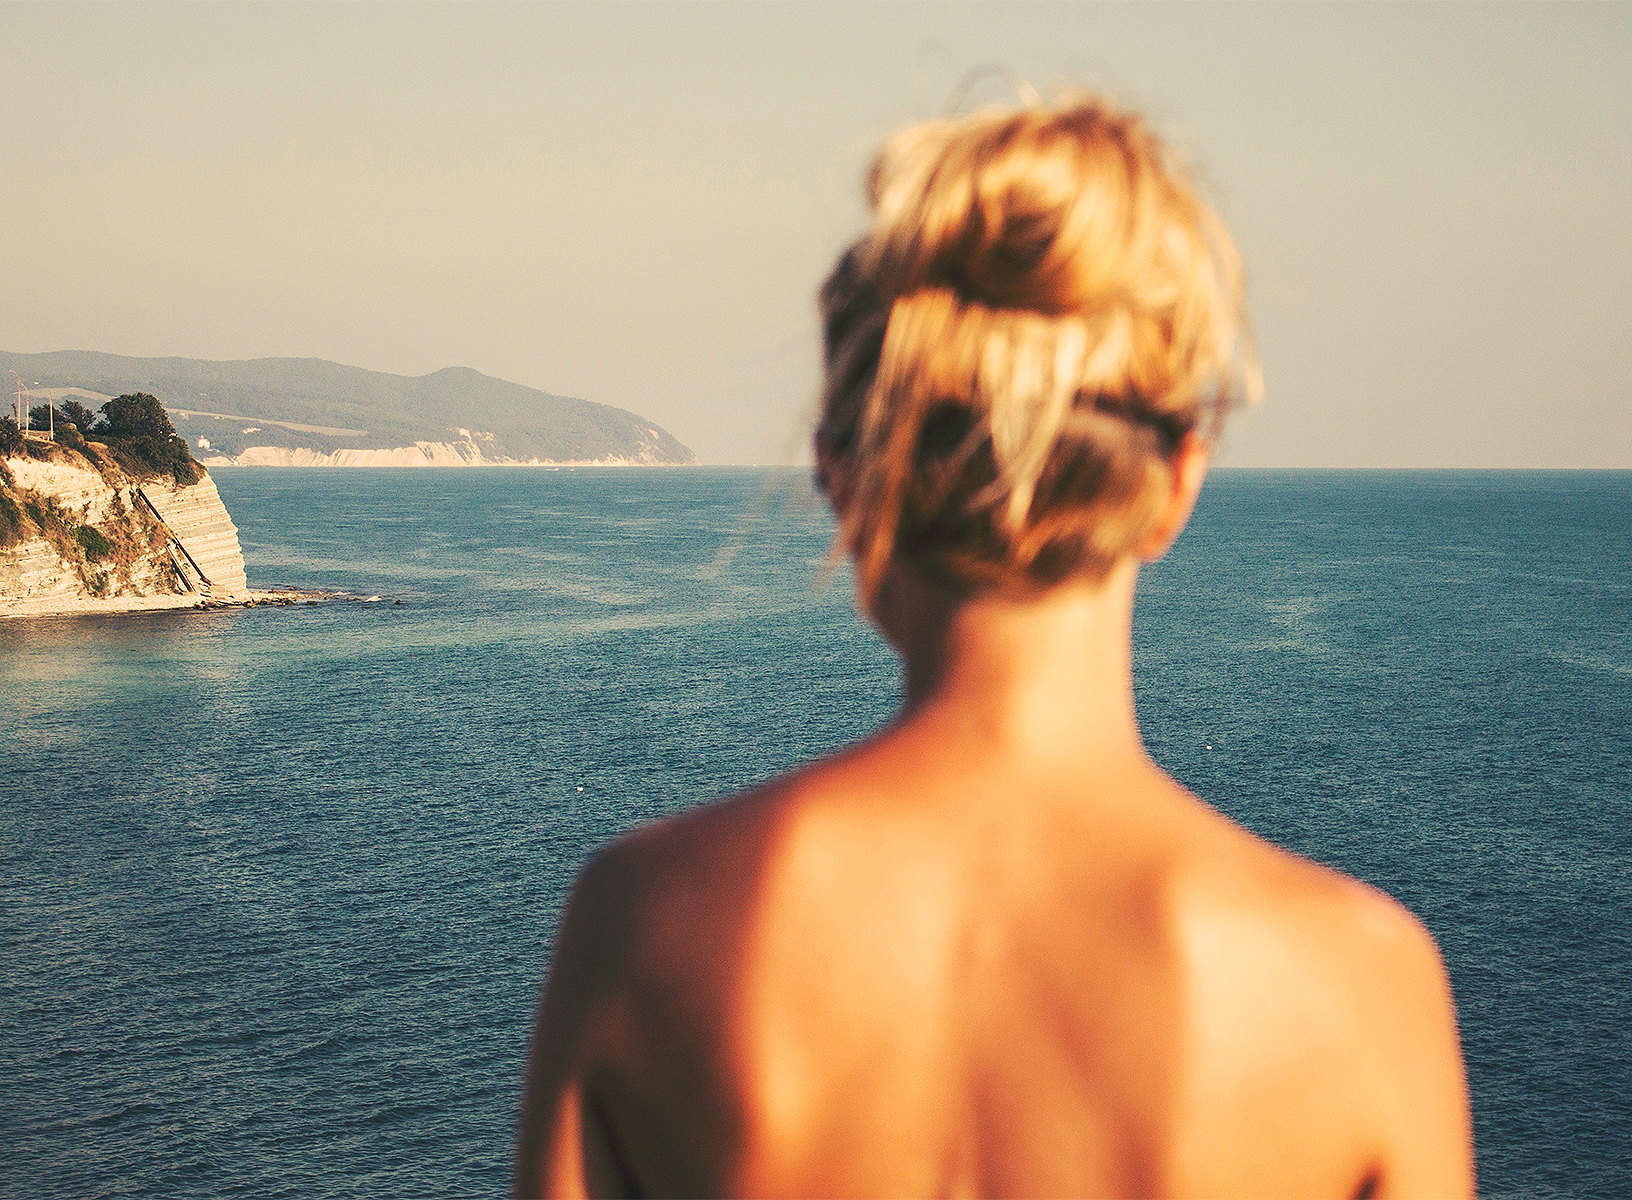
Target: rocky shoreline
[[60, 606]]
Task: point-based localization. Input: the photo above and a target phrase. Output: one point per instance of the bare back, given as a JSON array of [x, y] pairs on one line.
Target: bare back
[[994, 950], [932, 967]]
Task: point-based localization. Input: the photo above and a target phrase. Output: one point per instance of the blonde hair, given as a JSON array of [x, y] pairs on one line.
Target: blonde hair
[[1042, 311]]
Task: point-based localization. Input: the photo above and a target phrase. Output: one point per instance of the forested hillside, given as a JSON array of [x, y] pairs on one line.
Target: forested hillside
[[328, 407]]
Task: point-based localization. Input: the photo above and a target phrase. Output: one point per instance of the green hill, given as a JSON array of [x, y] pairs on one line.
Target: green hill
[[325, 407]]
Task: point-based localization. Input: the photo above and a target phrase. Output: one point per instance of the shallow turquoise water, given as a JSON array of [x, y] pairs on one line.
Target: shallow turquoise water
[[277, 886]]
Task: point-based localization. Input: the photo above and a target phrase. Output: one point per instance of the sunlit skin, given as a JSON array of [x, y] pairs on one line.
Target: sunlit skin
[[992, 950]]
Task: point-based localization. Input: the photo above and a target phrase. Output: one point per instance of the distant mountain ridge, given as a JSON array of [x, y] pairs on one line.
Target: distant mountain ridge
[[312, 410]]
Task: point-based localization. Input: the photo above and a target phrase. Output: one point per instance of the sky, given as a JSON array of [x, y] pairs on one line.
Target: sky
[[636, 204]]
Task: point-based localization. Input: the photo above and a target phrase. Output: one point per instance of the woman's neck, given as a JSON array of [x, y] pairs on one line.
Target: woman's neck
[[1045, 674]]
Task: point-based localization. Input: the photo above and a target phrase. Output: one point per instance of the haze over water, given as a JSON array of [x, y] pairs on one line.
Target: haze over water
[[277, 886]]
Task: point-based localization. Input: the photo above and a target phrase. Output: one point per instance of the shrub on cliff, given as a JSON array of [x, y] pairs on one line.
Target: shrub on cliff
[[43, 512], [11, 437], [138, 431], [11, 522], [43, 416], [95, 545]]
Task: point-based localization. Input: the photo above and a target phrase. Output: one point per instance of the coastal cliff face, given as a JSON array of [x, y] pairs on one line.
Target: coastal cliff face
[[199, 521], [466, 452], [83, 535]]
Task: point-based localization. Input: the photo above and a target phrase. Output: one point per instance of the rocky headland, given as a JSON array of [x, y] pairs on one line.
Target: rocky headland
[[81, 532]]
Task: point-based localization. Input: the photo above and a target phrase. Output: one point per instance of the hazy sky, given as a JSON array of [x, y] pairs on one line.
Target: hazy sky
[[636, 204]]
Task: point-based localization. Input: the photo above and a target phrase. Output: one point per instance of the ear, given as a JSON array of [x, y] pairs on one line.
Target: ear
[[1189, 469]]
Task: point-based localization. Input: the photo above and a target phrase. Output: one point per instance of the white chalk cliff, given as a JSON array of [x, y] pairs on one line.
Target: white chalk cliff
[[468, 451], [199, 521], [162, 544]]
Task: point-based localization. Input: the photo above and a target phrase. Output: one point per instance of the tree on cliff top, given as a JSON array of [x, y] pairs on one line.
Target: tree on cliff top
[[82, 417], [136, 416], [137, 427]]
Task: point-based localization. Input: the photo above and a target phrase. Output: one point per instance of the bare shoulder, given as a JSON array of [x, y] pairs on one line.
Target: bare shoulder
[[700, 855], [1320, 1001], [664, 893], [627, 1086], [1293, 916], [666, 889]]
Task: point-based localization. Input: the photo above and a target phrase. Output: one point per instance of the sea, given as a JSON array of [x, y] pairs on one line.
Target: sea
[[278, 885]]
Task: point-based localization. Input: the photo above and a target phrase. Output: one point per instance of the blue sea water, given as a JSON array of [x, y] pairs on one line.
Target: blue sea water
[[277, 886]]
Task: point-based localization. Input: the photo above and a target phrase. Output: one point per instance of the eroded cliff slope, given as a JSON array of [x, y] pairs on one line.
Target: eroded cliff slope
[[79, 533]]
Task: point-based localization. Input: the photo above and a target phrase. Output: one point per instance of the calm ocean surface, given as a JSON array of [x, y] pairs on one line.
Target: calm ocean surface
[[277, 886]]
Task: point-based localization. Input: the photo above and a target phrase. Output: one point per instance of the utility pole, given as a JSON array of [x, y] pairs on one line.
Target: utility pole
[[24, 417]]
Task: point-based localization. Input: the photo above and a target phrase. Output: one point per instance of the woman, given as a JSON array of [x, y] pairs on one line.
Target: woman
[[995, 949]]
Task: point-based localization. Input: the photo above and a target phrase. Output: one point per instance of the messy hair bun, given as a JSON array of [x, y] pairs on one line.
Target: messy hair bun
[[1042, 311]]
